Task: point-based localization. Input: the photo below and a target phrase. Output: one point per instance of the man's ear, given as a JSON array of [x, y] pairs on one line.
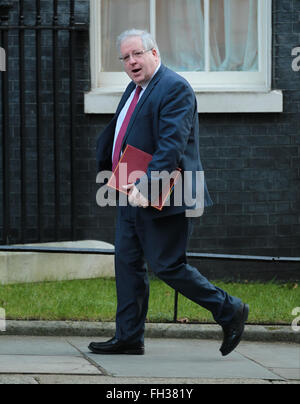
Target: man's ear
[[155, 53]]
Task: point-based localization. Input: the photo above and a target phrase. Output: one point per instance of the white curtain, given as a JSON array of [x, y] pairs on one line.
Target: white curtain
[[234, 35], [180, 33], [116, 17], [180, 30]]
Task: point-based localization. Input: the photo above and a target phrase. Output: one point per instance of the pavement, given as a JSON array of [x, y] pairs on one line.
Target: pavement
[[179, 354]]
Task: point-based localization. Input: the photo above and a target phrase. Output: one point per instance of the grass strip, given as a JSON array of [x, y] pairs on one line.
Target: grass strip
[[95, 300]]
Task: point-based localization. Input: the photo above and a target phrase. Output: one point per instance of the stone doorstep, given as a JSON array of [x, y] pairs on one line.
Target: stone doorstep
[[30, 267]]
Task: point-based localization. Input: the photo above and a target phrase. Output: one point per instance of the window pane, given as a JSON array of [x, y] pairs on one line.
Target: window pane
[[116, 17], [180, 33], [234, 35]]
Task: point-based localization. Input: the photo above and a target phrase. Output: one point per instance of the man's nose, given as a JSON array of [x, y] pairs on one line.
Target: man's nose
[[132, 60]]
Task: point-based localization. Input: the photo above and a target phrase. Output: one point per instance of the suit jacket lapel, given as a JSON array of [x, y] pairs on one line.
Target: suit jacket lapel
[[141, 102]]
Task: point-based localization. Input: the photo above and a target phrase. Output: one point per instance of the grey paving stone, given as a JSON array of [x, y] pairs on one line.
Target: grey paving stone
[[272, 355], [289, 374], [169, 358], [17, 379], [46, 346], [46, 364], [67, 360]]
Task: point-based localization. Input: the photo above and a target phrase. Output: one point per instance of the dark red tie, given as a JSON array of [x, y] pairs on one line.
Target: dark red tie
[[118, 146]]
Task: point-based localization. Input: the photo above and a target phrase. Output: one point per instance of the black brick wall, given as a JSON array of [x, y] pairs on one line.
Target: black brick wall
[[252, 161]]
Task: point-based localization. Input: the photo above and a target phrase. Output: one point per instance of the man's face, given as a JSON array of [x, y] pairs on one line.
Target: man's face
[[142, 67]]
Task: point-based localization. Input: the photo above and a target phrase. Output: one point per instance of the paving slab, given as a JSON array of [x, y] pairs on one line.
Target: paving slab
[[67, 360], [29, 364], [17, 379], [45, 346], [282, 359], [273, 355], [26, 355], [169, 358], [288, 374]]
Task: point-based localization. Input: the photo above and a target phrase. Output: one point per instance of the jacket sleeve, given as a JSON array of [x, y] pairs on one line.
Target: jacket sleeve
[[175, 124]]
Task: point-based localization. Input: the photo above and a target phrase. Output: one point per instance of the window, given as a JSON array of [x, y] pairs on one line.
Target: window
[[219, 46]]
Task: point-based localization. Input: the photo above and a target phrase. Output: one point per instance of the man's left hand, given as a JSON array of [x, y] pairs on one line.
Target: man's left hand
[[135, 198]]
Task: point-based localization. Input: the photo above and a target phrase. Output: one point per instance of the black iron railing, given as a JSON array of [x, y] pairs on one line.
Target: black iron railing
[[31, 36], [191, 255]]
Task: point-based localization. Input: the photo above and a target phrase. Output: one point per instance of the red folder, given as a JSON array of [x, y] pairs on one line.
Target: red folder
[[138, 161]]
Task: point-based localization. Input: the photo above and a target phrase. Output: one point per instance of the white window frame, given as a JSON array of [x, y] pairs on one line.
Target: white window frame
[[215, 91]]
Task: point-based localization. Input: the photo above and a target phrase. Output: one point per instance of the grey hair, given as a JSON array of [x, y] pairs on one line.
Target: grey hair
[[148, 41]]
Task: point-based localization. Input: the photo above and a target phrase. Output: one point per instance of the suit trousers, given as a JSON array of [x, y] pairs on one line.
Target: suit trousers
[[162, 243]]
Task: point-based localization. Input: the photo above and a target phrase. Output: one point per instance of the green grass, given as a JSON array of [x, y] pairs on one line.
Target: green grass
[[95, 300]]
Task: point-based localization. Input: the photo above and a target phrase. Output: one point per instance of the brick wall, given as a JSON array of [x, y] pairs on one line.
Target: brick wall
[[252, 164]]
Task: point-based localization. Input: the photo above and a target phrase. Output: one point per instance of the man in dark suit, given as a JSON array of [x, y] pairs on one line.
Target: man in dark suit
[[157, 114]]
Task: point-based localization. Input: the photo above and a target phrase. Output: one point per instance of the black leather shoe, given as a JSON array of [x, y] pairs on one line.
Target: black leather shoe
[[116, 347], [234, 331]]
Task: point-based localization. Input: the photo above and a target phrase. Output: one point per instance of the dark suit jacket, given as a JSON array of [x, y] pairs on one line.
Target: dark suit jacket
[[165, 124]]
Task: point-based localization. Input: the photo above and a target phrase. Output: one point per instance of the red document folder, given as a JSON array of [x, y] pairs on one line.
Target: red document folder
[[137, 160]]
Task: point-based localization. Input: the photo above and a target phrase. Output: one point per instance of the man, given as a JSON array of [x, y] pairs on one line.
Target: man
[[157, 114]]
